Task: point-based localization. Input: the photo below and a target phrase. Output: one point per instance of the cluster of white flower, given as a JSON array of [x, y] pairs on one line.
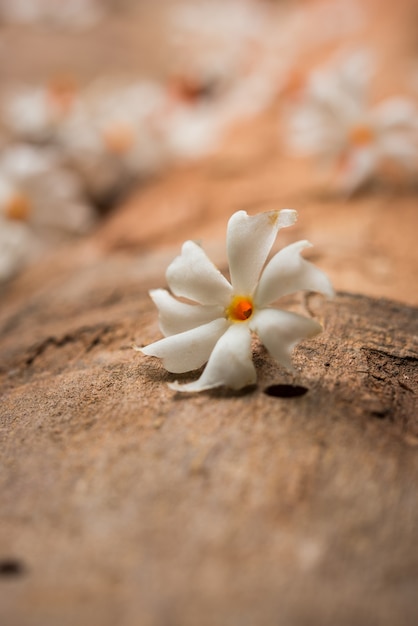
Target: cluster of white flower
[[40, 200], [249, 49], [335, 122], [66, 150], [41, 196]]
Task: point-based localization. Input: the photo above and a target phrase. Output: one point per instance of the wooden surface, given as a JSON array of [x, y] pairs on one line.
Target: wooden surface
[[125, 503]]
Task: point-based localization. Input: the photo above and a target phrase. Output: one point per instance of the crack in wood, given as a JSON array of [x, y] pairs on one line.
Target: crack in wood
[[99, 330]]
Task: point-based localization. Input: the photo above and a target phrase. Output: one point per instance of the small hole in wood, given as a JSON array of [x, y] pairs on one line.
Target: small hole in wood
[[380, 415], [10, 568], [285, 391]]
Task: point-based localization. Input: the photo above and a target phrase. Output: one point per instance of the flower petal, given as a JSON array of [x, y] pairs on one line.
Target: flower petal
[[280, 331], [17, 244], [360, 166], [192, 275], [399, 147], [396, 113], [312, 133], [229, 364], [177, 317], [189, 350], [249, 241], [288, 272]]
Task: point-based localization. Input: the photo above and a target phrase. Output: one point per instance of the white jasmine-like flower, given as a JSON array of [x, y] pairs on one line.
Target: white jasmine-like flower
[[111, 137], [336, 123], [37, 189], [217, 326], [190, 131], [36, 113]]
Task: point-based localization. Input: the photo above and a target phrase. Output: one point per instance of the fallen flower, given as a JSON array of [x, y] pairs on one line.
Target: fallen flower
[[35, 113], [336, 123], [111, 139], [217, 328], [37, 188]]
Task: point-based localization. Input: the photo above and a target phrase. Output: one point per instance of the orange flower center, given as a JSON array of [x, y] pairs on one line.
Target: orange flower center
[[240, 309], [294, 83], [188, 89], [361, 135], [18, 208], [118, 138], [62, 91]]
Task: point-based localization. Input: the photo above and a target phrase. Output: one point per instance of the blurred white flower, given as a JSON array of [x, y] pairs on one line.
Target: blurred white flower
[[36, 113], [230, 70], [216, 38], [247, 51], [190, 130], [36, 189], [336, 123], [113, 136], [217, 327]]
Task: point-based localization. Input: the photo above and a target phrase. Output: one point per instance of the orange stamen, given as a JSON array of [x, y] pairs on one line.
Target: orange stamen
[[361, 135], [18, 208], [294, 83], [118, 138], [188, 90], [240, 309], [62, 91]]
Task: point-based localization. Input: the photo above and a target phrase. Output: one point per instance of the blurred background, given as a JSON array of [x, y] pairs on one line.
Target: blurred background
[[138, 123]]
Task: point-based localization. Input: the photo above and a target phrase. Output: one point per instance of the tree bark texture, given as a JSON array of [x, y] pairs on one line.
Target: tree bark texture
[[124, 502]]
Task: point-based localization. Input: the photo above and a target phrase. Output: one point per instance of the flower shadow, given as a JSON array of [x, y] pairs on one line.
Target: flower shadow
[[218, 393], [155, 372]]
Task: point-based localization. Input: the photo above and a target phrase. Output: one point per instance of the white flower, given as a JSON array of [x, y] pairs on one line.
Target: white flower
[[191, 131], [35, 188], [336, 123], [214, 38], [111, 137], [35, 113], [41, 202], [239, 49], [217, 328]]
